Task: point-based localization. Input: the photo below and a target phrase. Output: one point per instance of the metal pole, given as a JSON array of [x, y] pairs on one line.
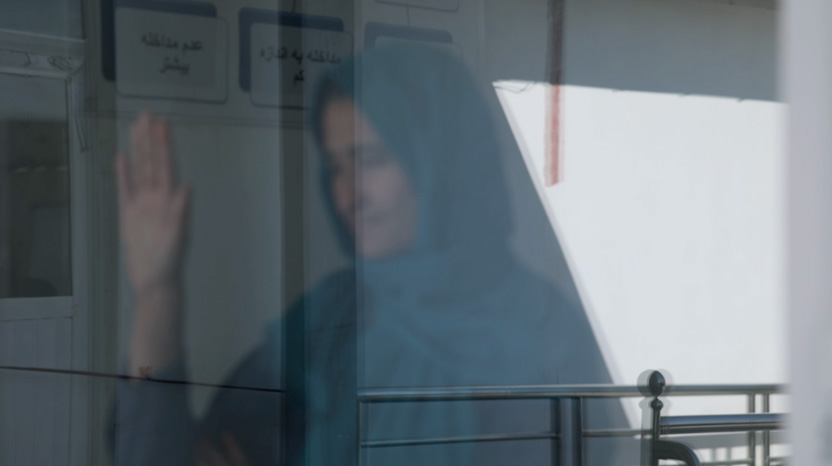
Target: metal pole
[[752, 435], [656, 385], [360, 434], [656, 405], [528, 392], [554, 421], [766, 434], [571, 432], [712, 423]]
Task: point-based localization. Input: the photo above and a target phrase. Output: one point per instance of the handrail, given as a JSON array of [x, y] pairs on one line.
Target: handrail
[[661, 449], [460, 439], [515, 392], [570, 398], [706, 424]]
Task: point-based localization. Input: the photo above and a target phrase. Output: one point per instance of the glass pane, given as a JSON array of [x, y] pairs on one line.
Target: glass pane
[[407, 193], [34, 190], [63, 19]]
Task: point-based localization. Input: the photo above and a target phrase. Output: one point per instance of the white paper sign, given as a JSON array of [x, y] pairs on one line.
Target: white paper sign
[[285, 59], [171, 55]]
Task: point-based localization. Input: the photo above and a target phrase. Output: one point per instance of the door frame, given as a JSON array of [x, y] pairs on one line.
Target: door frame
[[43, 56]]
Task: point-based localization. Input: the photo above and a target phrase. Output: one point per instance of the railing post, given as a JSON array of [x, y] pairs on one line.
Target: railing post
[[360, 432], [554, 421], [766, 434], [752, 435], [571, 431], [656, 386]]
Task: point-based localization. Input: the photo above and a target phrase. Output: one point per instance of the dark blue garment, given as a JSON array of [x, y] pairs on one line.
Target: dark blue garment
[[457, 308], [153, 425]]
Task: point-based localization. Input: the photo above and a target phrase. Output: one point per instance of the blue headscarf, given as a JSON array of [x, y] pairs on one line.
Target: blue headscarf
[[430, 112], [456, 308]]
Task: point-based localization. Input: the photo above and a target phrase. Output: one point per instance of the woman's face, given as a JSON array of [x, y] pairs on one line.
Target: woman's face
[[372, 195]]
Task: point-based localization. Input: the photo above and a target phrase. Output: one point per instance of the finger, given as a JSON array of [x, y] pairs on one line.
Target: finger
[[123, 181], [233, 450], [163, 155], [141, 151], [157, 147], [154, 148]]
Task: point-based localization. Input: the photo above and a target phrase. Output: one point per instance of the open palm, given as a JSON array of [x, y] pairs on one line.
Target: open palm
[[152, 206]]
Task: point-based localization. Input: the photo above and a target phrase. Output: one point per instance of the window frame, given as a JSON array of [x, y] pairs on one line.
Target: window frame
[[62, 59]]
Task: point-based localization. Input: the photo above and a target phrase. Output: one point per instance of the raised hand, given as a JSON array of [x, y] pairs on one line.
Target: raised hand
[[152, 207]]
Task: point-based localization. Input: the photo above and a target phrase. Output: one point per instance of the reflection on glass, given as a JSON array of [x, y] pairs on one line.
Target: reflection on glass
[[415, 188], [417, 183], [34, 206], [63, 18]]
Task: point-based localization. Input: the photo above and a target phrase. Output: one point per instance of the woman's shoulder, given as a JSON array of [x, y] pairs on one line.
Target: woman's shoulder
[[546, 297], [336, 285], [329, 303], [559, 323]]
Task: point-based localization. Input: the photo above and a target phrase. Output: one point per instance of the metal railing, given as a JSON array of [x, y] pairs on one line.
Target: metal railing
[[661, 449], [568, 430]]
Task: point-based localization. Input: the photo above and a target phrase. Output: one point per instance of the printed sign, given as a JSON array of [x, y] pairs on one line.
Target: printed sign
[[170, 55], [284, 59]]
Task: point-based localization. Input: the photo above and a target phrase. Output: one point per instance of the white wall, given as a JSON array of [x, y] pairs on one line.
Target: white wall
[[670, 205]]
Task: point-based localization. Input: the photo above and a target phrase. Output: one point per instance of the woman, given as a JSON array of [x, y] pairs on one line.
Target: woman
[[415, 185]]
